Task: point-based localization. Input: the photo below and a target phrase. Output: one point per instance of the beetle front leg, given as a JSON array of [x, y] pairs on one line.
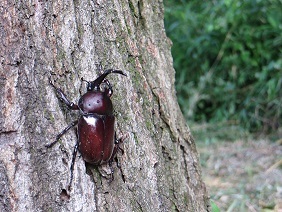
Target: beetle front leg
[[62, 133], [109, 90], [63, 97]]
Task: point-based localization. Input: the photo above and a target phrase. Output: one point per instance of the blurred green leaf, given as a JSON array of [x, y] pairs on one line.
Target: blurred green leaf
[[227, 56], [214, 207]]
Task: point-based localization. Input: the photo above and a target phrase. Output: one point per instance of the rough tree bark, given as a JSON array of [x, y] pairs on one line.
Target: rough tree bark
[[160, 168]]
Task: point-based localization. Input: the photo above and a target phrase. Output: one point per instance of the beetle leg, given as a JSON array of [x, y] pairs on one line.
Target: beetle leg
[[63, 97], [112, 171], [116, 147], [115, 151], [72, 165], [62, 133], [108, 90], [119, 141]]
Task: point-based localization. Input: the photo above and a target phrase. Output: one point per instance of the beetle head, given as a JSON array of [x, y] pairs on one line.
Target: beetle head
[[97, 100]]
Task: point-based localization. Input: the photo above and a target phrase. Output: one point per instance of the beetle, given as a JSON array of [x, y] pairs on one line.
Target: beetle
[[97, 142]]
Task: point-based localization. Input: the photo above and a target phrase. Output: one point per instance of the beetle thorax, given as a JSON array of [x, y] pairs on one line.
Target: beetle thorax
[[96, 102]]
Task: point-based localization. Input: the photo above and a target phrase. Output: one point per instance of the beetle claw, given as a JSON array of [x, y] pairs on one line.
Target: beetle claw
[[48, 145], [64, 195]]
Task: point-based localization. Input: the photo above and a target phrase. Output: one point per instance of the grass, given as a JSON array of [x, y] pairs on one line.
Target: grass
[[243, 175]]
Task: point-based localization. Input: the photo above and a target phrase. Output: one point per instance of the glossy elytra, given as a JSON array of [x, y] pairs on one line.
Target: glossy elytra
[[96, 142]]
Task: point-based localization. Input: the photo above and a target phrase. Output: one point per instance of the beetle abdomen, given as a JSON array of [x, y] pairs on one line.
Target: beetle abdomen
[[96, 138]]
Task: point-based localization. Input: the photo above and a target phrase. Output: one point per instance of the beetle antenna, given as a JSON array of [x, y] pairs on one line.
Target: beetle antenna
[[96, 83]]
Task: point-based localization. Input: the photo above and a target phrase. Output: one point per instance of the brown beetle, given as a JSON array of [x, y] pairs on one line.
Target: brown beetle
[[96, 135]]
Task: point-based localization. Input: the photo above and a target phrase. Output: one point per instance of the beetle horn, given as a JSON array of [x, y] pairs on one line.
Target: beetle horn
[[96, 83]]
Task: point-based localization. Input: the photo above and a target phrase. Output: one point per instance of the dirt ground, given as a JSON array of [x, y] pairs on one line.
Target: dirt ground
[[243, 175]]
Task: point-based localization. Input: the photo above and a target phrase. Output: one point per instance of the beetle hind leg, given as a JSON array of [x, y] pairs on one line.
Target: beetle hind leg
[[117, 148], [112, 171], [118, 141]]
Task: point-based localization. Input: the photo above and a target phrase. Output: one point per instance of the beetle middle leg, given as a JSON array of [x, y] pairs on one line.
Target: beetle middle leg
[[72, 164], [62, 133]]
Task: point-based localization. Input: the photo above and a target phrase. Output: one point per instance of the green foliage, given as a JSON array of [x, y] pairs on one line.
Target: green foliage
[[228, 60], [214, 207]]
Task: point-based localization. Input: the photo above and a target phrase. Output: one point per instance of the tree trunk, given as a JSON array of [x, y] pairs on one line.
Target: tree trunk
[[159, 170]]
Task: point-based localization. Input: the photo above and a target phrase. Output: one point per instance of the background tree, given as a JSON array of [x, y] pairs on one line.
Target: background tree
[[66, 39]]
